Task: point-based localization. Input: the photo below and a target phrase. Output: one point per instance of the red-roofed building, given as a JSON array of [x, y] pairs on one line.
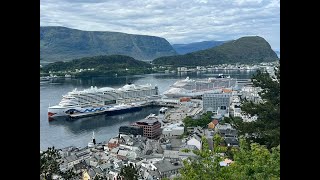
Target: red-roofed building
[[215, 122]]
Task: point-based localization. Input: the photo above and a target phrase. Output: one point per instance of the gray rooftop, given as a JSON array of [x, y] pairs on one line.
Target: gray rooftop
[[71, 158], [82, 153], [175, 143], [165, 166], [231, 141], [106, 166], [80, 166]]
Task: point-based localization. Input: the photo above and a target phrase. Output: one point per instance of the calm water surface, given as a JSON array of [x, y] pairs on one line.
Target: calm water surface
[[78, 133]]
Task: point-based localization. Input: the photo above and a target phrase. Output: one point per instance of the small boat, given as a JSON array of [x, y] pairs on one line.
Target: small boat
[[93, 142]]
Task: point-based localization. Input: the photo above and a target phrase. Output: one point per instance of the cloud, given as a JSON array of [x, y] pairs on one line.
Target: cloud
[[178, 21]]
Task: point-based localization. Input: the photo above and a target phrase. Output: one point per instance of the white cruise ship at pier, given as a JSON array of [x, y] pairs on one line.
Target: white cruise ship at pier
[[103, 100], [193, 88]]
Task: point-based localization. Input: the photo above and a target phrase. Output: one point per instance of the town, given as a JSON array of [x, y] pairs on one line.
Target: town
[[158, 144]]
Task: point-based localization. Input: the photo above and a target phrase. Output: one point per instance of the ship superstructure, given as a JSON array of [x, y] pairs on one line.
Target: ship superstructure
[[98, 100], [193, 88]]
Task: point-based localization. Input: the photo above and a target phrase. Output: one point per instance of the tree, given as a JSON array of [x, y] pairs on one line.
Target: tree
[[254, 161], [204, 120], [50, 161], [129, 172], [205, 166], [266, 129], [251, 161], [98, 177]]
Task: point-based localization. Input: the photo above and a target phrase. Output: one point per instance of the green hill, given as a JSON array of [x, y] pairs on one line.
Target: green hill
[[251, 49], [64, 44], [102, 65]]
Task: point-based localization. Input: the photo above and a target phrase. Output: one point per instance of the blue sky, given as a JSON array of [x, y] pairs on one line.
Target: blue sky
[[179, 21]]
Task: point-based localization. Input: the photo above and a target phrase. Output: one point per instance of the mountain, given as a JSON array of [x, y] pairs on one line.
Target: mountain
[[64, 44], [250, 49], [278, 53], [196, 46]]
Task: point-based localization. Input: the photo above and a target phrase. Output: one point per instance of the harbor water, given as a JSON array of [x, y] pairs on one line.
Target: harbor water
[[78, 133]]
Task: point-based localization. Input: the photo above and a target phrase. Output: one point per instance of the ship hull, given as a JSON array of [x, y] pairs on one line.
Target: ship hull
[[75, 113], [106, 112]]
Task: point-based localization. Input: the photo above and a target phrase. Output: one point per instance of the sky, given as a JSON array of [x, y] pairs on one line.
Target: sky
[[178, 21]]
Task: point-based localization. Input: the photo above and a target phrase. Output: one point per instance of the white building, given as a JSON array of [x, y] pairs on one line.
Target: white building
[[173, 130], [213, 101], [196, 141]]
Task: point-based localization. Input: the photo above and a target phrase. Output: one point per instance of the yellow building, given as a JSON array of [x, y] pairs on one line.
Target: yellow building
[[85, 175], [211, 125]]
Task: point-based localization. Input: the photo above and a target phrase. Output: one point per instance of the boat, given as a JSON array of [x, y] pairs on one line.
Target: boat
[[92, 143], [163, 110], [196, 88], [106, 100]]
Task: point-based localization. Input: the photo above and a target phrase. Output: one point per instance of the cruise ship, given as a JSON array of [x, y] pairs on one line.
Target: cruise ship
[[196, 88], [106, 100]]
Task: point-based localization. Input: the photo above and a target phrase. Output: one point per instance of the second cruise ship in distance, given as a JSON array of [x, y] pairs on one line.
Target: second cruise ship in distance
[[104, 100], [196, 88]]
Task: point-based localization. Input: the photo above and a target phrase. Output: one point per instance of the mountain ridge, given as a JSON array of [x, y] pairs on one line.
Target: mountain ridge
[[58, 43], [195, 46], [248, 49]]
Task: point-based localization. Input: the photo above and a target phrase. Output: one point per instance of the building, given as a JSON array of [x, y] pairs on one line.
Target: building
[[226, 130], [214, 102], [168, 168], [112, 143], [173, 130], [134, 130], [195, 141], [228, 133], [151, 127]]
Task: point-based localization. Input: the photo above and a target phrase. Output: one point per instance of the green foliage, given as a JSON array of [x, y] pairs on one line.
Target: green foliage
[[204, 167], [102, 65], [254, 161], [250, 162], [243, 50], [49, 165], [204, 120], [266, 129], [129, 172], [98, 177], [64, 44], [185, 150]]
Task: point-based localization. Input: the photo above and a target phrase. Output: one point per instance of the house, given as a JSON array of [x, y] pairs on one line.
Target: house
[[228, 133], [231, 141], [69, 162], [80, 167], [112, 143], [177, 154], [85, 175], [173, 130], [106, 167], [226, 130], [168, 168], [196, 141]]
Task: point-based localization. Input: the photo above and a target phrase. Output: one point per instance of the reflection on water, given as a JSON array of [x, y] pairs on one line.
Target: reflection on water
[[88, 124], [78, 133]]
